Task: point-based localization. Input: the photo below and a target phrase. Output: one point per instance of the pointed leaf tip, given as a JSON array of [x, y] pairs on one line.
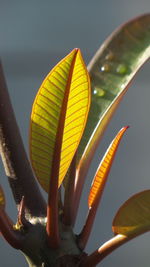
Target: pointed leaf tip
[[100, 178], [58, 117]]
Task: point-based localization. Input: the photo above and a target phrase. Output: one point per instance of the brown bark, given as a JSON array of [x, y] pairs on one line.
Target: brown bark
[[16, 164]]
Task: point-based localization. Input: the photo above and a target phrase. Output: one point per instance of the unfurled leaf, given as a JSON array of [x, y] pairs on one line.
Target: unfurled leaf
[[111, 71], [58, 118], [2, 198], [133, 217], [100, 178]]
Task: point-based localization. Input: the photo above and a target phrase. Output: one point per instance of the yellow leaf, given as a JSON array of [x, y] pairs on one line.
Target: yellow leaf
[[2, 198], [133, 217], [100, 178], [58, 118]]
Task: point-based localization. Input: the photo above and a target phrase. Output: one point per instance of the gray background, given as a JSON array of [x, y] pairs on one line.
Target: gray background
[[34, 36]]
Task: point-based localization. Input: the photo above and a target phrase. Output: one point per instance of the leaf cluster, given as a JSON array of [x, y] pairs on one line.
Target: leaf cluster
[[70, 113]]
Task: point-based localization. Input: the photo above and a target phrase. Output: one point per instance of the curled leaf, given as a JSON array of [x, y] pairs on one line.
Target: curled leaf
[[58, 118], [133, 217]]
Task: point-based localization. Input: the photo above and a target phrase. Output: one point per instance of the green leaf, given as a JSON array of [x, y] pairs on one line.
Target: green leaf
[[111, 71], [133, 217]]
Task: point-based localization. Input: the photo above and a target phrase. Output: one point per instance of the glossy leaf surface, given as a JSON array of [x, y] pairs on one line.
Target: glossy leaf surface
[[100, 178], [58, 117], [133, 217], [111, 71]]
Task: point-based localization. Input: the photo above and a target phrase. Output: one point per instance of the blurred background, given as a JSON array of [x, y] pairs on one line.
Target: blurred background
[[34, 36]]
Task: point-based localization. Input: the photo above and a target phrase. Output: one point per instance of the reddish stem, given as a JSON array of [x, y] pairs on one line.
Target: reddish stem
[[69, 195], [108, 247], [85, 233]]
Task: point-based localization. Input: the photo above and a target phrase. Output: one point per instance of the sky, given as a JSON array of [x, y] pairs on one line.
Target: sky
[[34, 36]]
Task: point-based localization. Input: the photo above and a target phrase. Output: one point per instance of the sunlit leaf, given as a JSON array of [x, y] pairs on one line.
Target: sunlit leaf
[[100, 178], [2, 198], [111, 71], [133, 217], [58, 118]]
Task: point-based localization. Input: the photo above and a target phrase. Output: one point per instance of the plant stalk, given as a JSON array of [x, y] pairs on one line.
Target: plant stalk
[[15, 161], [108, 247], [69, 194]]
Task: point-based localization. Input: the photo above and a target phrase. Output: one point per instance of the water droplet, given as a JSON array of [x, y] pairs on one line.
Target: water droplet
[[99, 92], [110, 56], [105, 67], [122, 69], [122, 86]]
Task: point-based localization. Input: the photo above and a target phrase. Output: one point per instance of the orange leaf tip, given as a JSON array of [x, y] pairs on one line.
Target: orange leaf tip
[[102, 172]]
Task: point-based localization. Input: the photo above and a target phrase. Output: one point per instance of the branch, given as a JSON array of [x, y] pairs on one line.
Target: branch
[[14, 157], [52, 220], [69, 195], [108, 247], [60, 203], [14, 238], [85, 233]]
